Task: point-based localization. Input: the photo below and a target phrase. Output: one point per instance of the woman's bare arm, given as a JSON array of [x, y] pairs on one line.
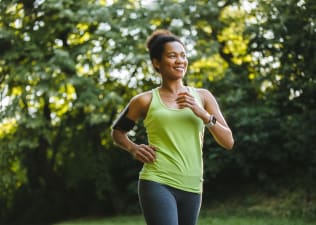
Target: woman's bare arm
[[136, 109]]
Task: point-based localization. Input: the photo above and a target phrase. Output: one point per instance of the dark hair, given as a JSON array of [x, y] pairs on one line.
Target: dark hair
[[157, 40]]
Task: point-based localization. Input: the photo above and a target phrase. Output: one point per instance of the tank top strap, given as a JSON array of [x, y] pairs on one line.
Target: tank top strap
[[195, 94], [155, 96]]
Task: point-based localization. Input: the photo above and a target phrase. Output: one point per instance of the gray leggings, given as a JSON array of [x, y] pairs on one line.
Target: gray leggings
[[164, 205]]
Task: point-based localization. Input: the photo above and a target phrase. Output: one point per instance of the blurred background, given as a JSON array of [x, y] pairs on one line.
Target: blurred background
[[67, 67]]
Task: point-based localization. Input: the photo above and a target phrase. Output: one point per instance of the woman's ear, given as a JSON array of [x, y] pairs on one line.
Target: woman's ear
[[156, 64]]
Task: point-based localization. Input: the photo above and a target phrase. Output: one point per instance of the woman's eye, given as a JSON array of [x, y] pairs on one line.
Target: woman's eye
[[175, 56]]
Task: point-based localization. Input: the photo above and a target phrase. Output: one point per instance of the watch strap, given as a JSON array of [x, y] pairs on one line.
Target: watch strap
[[211, 122]]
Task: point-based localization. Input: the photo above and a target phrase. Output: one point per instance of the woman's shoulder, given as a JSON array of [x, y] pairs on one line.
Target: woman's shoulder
[[140, 103], [201, 90], [205, 95], [204, 92], [142, 98]]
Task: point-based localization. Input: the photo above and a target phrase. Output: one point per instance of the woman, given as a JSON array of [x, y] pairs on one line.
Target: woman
[[175, 117]]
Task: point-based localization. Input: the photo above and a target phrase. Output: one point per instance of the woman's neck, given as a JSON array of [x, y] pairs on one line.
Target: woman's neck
[[173, 87]]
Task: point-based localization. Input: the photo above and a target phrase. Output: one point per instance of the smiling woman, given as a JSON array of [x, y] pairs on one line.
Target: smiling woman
[[173, 62], [175, 117]]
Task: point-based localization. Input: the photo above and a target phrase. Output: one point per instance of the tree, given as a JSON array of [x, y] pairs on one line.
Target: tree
[[68, 67]]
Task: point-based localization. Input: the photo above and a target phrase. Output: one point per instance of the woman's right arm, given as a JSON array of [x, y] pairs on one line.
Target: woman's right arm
[[135, 110]]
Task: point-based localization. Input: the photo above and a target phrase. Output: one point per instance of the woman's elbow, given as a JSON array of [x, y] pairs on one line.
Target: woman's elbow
[[230, 144], [115, 134]]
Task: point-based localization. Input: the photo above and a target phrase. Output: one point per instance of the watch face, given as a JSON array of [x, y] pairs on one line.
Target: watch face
[[213, 120]]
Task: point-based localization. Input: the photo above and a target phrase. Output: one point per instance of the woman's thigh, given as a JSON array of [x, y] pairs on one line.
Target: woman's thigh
[[165, 205], [188, 205], [158, 203]]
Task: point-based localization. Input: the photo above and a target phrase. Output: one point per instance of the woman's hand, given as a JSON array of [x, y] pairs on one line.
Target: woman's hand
[[144, 153], [186, 100]]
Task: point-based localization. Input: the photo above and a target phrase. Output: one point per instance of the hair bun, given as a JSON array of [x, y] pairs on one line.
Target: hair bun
[[152, 39]]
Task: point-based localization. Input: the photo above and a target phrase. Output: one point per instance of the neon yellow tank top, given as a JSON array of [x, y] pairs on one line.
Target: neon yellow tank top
[[178, 134]]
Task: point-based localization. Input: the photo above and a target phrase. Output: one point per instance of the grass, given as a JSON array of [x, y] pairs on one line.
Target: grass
[[252, 220], [205, 219], [284, 208]]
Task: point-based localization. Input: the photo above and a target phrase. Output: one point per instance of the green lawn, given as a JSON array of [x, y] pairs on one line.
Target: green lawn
[[285, 208], [204, 220]]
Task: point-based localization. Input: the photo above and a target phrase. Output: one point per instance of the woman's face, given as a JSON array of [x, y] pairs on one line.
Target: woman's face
[[173, 64]]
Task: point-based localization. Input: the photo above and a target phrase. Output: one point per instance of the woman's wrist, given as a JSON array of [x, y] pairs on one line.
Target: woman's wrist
[[205, 117], [211, 122], [132, 148]]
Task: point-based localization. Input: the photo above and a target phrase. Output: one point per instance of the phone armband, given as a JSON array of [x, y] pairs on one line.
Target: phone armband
[[123, 122]]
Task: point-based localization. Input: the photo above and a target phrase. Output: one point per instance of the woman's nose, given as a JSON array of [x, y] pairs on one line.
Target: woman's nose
[[180, 59]]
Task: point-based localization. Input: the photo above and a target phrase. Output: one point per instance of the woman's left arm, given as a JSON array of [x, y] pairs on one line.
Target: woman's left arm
[[220, 131]]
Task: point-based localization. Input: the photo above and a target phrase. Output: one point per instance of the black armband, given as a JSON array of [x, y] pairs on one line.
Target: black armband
[[123, 122]]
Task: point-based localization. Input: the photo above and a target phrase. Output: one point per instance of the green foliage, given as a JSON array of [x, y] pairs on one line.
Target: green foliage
[[68, 67]]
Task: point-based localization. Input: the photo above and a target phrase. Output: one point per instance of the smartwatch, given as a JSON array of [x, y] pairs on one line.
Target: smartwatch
[[211, 122]]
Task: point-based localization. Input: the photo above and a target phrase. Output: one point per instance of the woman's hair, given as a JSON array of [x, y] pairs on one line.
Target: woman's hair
[[157, 40]]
